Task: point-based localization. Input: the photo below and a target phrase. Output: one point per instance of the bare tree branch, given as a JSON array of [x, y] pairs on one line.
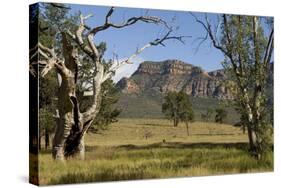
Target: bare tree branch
[[91, 48], [101, 74], [50, 51], [156, 42], [48, 59], [128, 22], [208, 29], [269, 48], [202, 40], [111, 10], [32, 70], [228, 52]]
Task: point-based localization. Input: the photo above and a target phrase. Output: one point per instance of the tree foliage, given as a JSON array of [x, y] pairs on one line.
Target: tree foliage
[[177, 107], [108, 112], [221, 115], [207, 115]]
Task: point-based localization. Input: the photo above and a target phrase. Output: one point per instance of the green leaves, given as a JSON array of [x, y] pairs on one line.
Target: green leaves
[[221, 115], [177, 107], [108, 113]]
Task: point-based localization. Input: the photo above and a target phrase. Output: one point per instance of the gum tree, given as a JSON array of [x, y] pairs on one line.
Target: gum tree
[[72, 124], [248, 49], [178, 108]]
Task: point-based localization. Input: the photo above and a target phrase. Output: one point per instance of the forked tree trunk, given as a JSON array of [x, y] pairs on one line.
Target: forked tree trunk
[[72, 125], [252, 136], [68, 139]]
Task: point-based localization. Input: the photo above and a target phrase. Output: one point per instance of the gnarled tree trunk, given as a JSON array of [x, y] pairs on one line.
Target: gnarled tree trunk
[[71, 123]]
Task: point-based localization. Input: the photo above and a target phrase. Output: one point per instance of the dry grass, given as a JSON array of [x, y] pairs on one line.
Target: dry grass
[[126, 151], [134, 131]]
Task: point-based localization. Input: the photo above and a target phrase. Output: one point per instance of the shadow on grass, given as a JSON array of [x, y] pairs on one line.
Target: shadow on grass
[[179, 145], [215, 134], [154, 124], [171, 145], [102, 176]]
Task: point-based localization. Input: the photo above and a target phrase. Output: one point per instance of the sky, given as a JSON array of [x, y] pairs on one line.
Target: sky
[[125, 41]]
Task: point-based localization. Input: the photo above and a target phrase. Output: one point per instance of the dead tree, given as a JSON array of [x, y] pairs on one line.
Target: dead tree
[[72, 124]]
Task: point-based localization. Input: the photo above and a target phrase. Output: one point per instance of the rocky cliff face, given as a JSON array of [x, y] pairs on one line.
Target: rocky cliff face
[[175, 75]]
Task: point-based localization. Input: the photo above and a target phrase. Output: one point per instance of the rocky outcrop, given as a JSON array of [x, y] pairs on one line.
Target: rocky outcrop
[[173, 67], [175, 75], [128, 86]]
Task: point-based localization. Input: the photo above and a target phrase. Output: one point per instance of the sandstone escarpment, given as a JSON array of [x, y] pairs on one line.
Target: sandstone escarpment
[[175, 75]]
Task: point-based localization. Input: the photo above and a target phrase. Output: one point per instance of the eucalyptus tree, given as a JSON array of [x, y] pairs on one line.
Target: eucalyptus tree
[[178, 108], [76, 43], [247, 43]]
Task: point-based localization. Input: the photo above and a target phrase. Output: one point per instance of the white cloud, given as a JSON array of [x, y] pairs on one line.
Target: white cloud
[[127, 70]]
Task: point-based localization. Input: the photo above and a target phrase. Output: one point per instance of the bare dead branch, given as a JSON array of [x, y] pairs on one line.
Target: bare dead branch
[[93, 46], [90, 48], [48, 60], [49, 65], [156, 42], [208, 29], [228, 52], [32, 70], [128, 22], [33, 55], [201, 41], [50, 51], [167, 37], [109, 14]]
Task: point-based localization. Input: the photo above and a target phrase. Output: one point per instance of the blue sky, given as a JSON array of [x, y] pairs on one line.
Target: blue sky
[[125, 41]]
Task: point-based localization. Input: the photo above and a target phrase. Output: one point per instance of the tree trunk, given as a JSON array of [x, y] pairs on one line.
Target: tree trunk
[[176, 122], [72, 125], [47, 139], [39, 142], [187, 128], [253, 142], [67, 137], [244, 129]]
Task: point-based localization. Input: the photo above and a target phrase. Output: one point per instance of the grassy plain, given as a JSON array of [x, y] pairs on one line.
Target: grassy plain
[[153, 148]]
